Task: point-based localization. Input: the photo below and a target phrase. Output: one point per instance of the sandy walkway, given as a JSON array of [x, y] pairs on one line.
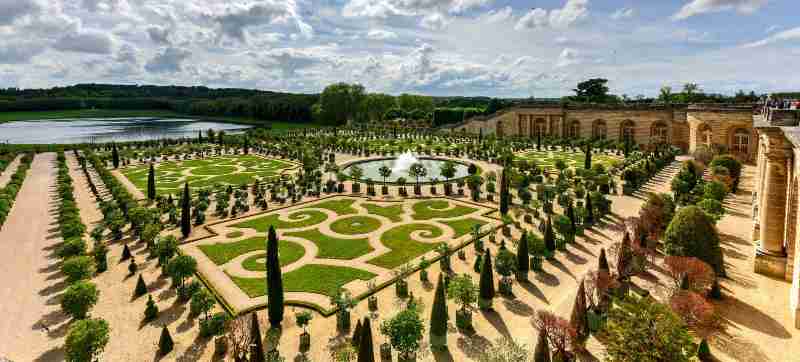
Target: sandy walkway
[[31, 280], [90, 213], [9, 171]]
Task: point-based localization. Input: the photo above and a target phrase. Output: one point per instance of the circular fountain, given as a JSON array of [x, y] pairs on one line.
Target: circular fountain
[[400, 166]]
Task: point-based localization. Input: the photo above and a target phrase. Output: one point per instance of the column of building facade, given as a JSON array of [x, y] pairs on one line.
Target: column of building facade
[[770, 256]]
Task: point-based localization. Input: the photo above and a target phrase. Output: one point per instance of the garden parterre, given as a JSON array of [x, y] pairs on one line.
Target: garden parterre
[[203, 173], [335, 242]]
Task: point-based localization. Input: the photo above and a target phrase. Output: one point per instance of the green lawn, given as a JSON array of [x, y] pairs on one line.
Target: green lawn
[[404, 248], [391, 212], [339, 206], [355, 225], [221, 253], [547, 159], [312, 278], [435, 209], [463, 226], [334, 248], [300, 219], [258, 262], [223, 170]]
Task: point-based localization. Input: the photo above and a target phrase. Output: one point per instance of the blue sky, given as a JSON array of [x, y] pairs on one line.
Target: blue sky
[[505, 48]]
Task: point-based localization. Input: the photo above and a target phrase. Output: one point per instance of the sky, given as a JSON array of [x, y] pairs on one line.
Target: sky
[[497, 48]]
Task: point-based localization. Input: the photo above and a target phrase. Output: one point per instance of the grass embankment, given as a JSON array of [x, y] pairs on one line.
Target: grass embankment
[[156, 113]]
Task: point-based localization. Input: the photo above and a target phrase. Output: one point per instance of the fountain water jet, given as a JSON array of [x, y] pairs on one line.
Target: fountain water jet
[[403, 163]]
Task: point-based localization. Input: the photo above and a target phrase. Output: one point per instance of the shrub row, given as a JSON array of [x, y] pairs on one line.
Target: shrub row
[[118, 191], [642, 168], [69, 217], [8, 194]]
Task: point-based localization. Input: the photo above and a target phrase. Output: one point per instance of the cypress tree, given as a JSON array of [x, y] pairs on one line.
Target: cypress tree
[[199, 136], [715, 292], [186, 212], [274, 281], [571, 216], [165, 343], [624, 255], [549, 236], [256, 347], [587, 163], [365, 351], [151, 183], [438, 332], [523, 259], [703, 352], [602, 264], [579, 319], [478, 263], [503, 193], [246, 145], [356, 335], [589, 211], [126, 253], [487, 291], [114, 155], [151, 310], [542, 352], [141, 287], [538, 141]]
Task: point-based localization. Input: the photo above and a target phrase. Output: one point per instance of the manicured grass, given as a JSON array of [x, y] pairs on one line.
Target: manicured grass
[[221, 253], [204, 173], [302, 218], [312, 278], [334, 248], [391, 212], [404, 248], [85, 113], [355, 225], [463, 226], [339, 206], [258, 262], [547, 159], [435, 209]]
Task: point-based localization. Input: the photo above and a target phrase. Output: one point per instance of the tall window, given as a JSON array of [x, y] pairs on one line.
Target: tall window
[[574, 130], [626, 130], [741, 141], [599, 129], [659, 133], [706, 135], [540, 128]]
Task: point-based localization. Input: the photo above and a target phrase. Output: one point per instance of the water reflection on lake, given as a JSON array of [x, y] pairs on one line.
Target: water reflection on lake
[[66, 131]]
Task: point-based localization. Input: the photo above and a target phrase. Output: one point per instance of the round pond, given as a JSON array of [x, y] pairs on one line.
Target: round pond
[[400, 168]]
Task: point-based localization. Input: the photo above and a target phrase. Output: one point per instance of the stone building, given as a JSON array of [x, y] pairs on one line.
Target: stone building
[[685, 126], [775, 207]]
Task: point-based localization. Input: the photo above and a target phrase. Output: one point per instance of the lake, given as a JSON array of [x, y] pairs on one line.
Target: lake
[[66, 131]]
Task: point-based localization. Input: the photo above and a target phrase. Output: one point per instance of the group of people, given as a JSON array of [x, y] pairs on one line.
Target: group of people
[[792, 104]]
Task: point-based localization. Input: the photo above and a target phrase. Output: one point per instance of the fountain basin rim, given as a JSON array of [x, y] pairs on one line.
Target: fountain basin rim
[[411, 181]]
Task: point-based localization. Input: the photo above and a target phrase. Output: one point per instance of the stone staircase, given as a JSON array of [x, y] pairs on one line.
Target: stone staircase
[[661, 182]]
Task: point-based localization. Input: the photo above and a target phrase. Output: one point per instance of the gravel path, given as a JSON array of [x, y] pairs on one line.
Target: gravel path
[[10, 169], [31, 279]]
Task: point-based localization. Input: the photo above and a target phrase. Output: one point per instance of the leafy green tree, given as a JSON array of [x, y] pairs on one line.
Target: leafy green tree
[[165, 343], [340, 102], [487, 290], [438, 332], [404, 331], [417, 170], [186, 212], [79, 298], [641, 329], [375, 105], [592, 90], [151, 309], [114, 155], [78, 268], [447, 170], [166, 248], [274, 281], [86, 340], [692, 233], [463, 291], [202, 302], [385, 172], [151, 183], [180, 268], [549, 236]]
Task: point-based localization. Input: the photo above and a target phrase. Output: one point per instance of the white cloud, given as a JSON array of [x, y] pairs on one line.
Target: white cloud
[[158, 35], [10, 10], [235, 20], [170, 60], [498, 15], [568, 56], [434, 21], [697, 7], [87, 41], [386, 8], [623, 13], [379, 34], [786, 35], [573, 12]]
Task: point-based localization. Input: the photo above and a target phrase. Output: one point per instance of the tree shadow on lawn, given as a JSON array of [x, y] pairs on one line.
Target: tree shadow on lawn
[[531, 288], [582, 248], [558, 264], [52, 318], [737, 348], [574, 258], [734, 311], [166, 316], [195, 350], [518, 307], [54, 288]]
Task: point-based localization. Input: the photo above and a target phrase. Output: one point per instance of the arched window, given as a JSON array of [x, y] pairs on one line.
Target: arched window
[[574, 130], [705, 135], [626, 130], [741, 141], [540, 128], [659, 133], [599, 129]]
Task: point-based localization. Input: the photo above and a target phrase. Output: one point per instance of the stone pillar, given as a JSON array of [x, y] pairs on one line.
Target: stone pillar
[[794, 297], [770, 256]]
